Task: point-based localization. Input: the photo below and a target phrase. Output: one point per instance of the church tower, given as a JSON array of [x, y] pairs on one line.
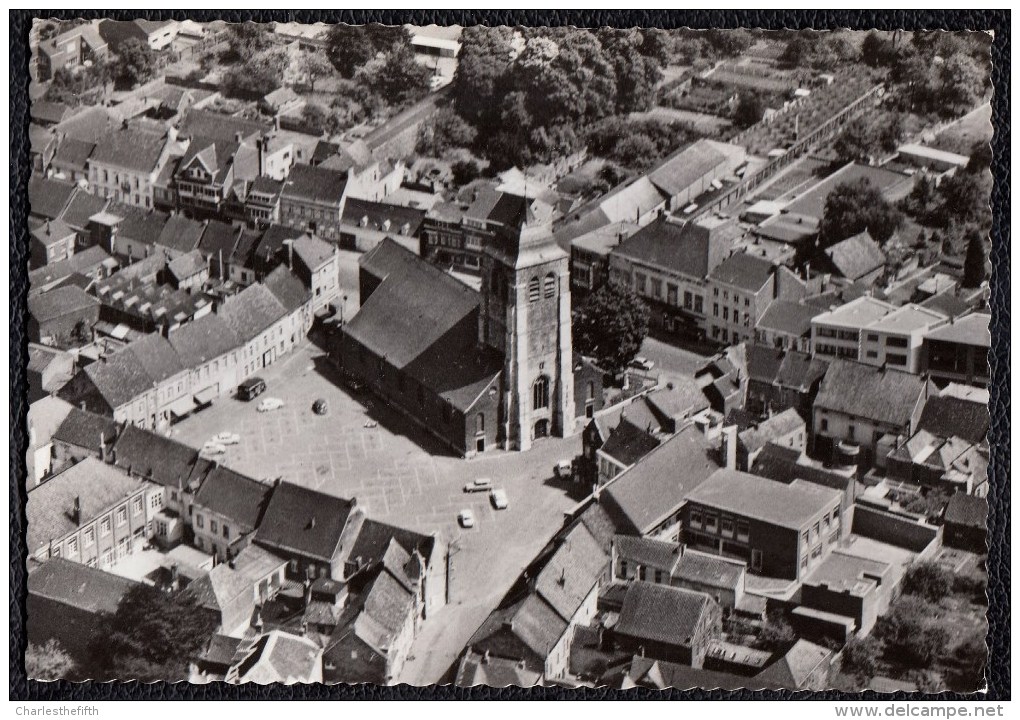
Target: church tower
[[525, 314]]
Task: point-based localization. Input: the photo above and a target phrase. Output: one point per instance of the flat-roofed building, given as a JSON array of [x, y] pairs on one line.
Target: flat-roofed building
[[837, 333], [897, 339]]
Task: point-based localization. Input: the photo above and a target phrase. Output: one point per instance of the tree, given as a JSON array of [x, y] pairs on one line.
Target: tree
[[962, 80], [465, 171], [855, 143], [484, 59], [153, 635], [728, 42], [750, 110], [351, 47], [314, 66], [860, 658], [928, 580], [446, 130], [247, 39], [48, 662], [315, 115], [260, 74], [796, 50], [135, 63], [876, 50], [610, 326], [402, 79], [635, 151], [974, 261], [776, 635], [853, 207], [912, 632]]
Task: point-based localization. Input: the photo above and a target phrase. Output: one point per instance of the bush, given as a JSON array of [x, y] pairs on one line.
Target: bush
[[912, 633], [464, 171], [928, 580], [860, 658]]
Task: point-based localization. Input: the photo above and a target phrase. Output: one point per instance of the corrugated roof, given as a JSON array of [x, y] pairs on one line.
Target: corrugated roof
[[682, 170]]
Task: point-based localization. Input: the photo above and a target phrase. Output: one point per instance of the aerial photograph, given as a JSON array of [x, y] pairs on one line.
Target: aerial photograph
[[507, 356]]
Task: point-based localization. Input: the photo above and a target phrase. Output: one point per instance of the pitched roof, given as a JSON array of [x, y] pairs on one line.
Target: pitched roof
[[219, 588], [252, 311], [884, 395], [383, 217], [946, 416], [234, 496], [305, 521], [91, 124], [529, 625], [83, 206], [74, 152], [794, 669], [374, 538], [386, 257], [785, 464], [660, 613], [129, 148], [647, 551], [278, 657], [287, 288], [313, 251], [47, 198], [744, 271], [790, 318], [84, 429], [97, 486], [58, 302], [571, 572], [180, 234], [79, 586], [217, 126], [786, 505], [856, 256], [219, 237], [658, 483], [48, 112], [315, 184], [969, 330], [968, 510], [773, 428], [709, 570], [51, 232], [680, 171], [670, 245], [203, 339], [628, 443], [157, 458]]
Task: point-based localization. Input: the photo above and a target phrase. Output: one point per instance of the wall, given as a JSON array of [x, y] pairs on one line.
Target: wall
[[894, 530]]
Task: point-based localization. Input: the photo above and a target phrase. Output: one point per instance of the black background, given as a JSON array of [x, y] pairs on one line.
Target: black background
[[998, 673]]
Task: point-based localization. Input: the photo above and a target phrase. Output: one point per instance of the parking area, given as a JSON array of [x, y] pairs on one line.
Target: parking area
[[399, 474]]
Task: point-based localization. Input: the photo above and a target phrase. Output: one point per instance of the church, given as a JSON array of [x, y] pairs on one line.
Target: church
[[478, 370]]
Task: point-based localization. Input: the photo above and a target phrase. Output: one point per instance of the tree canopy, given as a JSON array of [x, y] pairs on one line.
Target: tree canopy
[[48, 662], [135, 63], [974, 271], [853, 207], [350, 47], [260, 74], [610, 326], [247, 39]]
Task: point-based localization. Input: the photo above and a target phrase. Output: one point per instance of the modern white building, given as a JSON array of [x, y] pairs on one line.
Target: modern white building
[[897, 339], [837, 333]]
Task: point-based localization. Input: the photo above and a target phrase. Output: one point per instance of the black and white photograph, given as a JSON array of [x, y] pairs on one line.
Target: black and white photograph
[[507, 356]]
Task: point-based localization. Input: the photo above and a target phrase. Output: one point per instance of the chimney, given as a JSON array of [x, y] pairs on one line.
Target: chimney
[[174, 578], [238, 137], [102, 446], [76, 510], [311, 523], [485, 658]]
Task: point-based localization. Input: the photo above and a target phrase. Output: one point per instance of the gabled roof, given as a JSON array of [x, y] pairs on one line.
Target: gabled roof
[[662, 614], [47, 198], [314, 184], [51, 232], [219, 588], [234, 496], [49, 112], [96, 486], [130, 149], [74, 153], [304, 521], [287, 288], [58, 302], [312, 251], [571, 572], [219, 237], [786, 505], [375, 537], [948, 416], [180, 234], [252, 311], [967, 510], [84, 429], [78, 586], [795, 668], [743, 271], [157, 458], [789, 318], [682, 170], [528, 630], [771, 429], [83, 206], [677, 247], [91, 124], [187, 265], [382, 217], [628, 443], [278, 657], [647, 551], [218, 126], [883, 395], [856, 256], [202, 340]]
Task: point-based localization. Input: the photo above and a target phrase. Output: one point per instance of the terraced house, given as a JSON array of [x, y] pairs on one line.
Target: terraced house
[[125, 164]]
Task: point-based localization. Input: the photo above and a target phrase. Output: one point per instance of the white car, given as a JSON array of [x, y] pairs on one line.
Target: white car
[[642, 363], [466, 518], [270, 404], [499, 499], [213, 448], [227, 438], [479, 485], [564, 469]]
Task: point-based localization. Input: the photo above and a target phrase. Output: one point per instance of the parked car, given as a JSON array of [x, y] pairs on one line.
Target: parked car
[[227, 438], [466, 518], [564, 470], [270, 404], [499, 499], [479, 485], [642, 363], [319, 407], [251, 388], [213, 448]]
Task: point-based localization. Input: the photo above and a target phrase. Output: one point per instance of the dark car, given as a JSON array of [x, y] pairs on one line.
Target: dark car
[[251, 388], [319, 407]]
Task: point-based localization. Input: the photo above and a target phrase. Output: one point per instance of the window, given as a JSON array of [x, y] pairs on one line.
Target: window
[[480, 423], [851, 432], [156, 501], [533, 289], [872, 337], [727, 527], [743, 531], [199, 521], [639, 283], [825, 425], [104, 526], [214, 527], [672, 293], [540, 393], [121, 515], [656, 291], [72, 546], [226, 531], [696, 519], [89, 537], [623, 569], [136, 505], [550, 285], [715, 309], [687, 299], [725, 313], [872, 354], [658, 577], [711, 522], [641, 572]]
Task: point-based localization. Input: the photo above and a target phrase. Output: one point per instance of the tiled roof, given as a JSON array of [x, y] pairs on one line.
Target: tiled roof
[[651, 490], [219, 237], [83, 205], [97, 486], [647, 551], [219, 588], [287, 288], [786, 505], [856, 256], [771, 429], [883, 395], [494, 672], [90, 125], [48, 112], [304, 521], [672, 246], [386, 257], [59, 302], [571, 571], [47, 198], [130, 149], [235, 497], [312, 251], [180, 234], [218, 126], [382, 217], [947, 416], [793, 671], [969, 330], [52, 232], [252, 311], [74, 153], [662, 614], [278, 657], [743, 271], [790, 318], [628, 443], [314, 184], [374, 538], [84, 429], [255, 562], [79, 586], [203, 339], [968, 510], [187, 265], [157, 458], [709, 570], [527, 627]]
